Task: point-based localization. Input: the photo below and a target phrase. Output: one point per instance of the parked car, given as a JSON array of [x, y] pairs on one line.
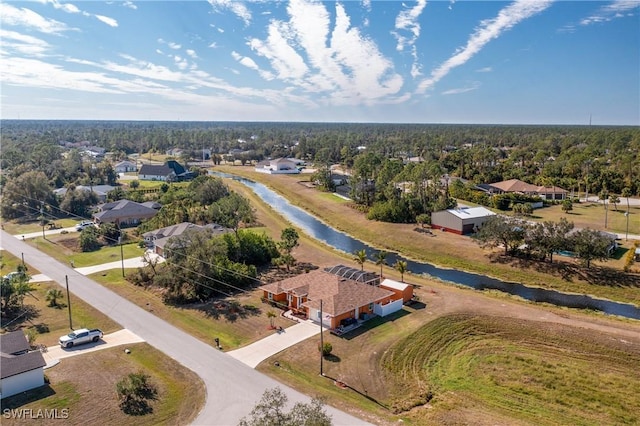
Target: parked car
[[15, 274], [80, 336], [84, 224]]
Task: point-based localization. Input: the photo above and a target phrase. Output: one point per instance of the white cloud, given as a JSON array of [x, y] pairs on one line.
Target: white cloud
[[407, 22], [174, 46], [130, 5], [10, 15], [460, 90], [213, 45], [236, 7], [337, 62], [616, 9], [488, 30], [485, 69], [21, 43], [67, 7], [192, 53], [109, 21], [251, 64]]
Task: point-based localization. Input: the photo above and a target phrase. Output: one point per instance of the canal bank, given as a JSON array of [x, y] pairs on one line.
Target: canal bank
[[348, 244]]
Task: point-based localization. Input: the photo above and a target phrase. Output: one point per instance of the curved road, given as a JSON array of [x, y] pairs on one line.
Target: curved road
[[233, 388]]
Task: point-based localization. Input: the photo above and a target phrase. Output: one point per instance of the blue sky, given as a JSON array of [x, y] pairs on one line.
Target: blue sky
[[520, 62]]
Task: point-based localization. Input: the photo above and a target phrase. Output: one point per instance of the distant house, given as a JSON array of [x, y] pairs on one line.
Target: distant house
[[125, 166], [156, 240], [22, 369], [278, 166], [342, 299], [170, 171], [156, 172], [124, 213], [101, 191], [518, 186], [461, 221], [94, 152]]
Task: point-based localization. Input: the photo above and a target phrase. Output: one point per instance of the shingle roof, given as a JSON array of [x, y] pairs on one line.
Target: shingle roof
[[516, 185], [124, 208], [155, 170], [14, 359], [338, 295]]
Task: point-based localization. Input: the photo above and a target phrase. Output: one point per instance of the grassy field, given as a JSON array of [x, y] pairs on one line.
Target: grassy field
[[592, 215], [535, 377], [64, 249], [15, 228], [204, 321], [455, 251], [472, 369], [90, 397]]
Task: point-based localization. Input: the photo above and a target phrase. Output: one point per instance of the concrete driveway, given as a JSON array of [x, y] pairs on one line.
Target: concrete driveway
[[255, 353], [54, 354]]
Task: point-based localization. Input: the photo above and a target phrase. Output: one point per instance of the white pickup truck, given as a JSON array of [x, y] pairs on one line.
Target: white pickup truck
[[80, 336]]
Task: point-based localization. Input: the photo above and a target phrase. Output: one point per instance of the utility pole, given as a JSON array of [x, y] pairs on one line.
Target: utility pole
[[66, 277], [42, 218], [22, 254], [627, 233], [121, 252], [321, 342]]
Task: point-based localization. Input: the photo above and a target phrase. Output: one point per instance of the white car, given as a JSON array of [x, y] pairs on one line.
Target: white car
[[84, 224], [80, 336]]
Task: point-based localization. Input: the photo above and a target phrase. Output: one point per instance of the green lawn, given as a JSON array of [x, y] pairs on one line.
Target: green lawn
[[54, 248], [15, 228], [592, 215], [514, 369]]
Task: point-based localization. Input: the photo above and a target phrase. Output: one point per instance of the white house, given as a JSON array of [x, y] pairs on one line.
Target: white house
[[461, 221], [278, 166], [125, 166], [22, 369]]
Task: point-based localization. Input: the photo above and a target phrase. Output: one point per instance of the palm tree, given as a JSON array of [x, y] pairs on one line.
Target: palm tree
[[271, 315], [614, 199], [52, 296], [401, 266], [360, 258], [604, 196], [381, 259]]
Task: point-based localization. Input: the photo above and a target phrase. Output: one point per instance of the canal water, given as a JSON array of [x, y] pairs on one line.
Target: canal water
[[343, 242]]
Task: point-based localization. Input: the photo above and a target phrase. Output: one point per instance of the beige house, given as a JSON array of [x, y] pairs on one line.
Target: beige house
[[515, 185]]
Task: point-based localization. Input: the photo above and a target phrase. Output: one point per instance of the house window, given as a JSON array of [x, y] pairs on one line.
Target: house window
[[371, 306], [270, 296]]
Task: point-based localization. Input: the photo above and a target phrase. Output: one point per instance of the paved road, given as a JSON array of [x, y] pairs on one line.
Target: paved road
[[233, 388]]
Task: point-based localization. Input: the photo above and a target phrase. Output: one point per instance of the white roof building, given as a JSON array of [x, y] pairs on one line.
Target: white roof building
[[462, 220]]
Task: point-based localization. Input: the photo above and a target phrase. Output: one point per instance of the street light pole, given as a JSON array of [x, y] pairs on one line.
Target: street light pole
[[66, 277], [627, 216]]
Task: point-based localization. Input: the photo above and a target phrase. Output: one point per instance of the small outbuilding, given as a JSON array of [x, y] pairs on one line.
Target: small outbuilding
[[400, 290], [461, 221]]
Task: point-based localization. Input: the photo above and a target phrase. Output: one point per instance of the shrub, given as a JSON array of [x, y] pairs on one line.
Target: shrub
[[325, 348]]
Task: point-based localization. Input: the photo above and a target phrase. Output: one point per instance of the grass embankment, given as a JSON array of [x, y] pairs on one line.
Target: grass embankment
[[450, 250], [90, 397], [515, 369], [470, 369]]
